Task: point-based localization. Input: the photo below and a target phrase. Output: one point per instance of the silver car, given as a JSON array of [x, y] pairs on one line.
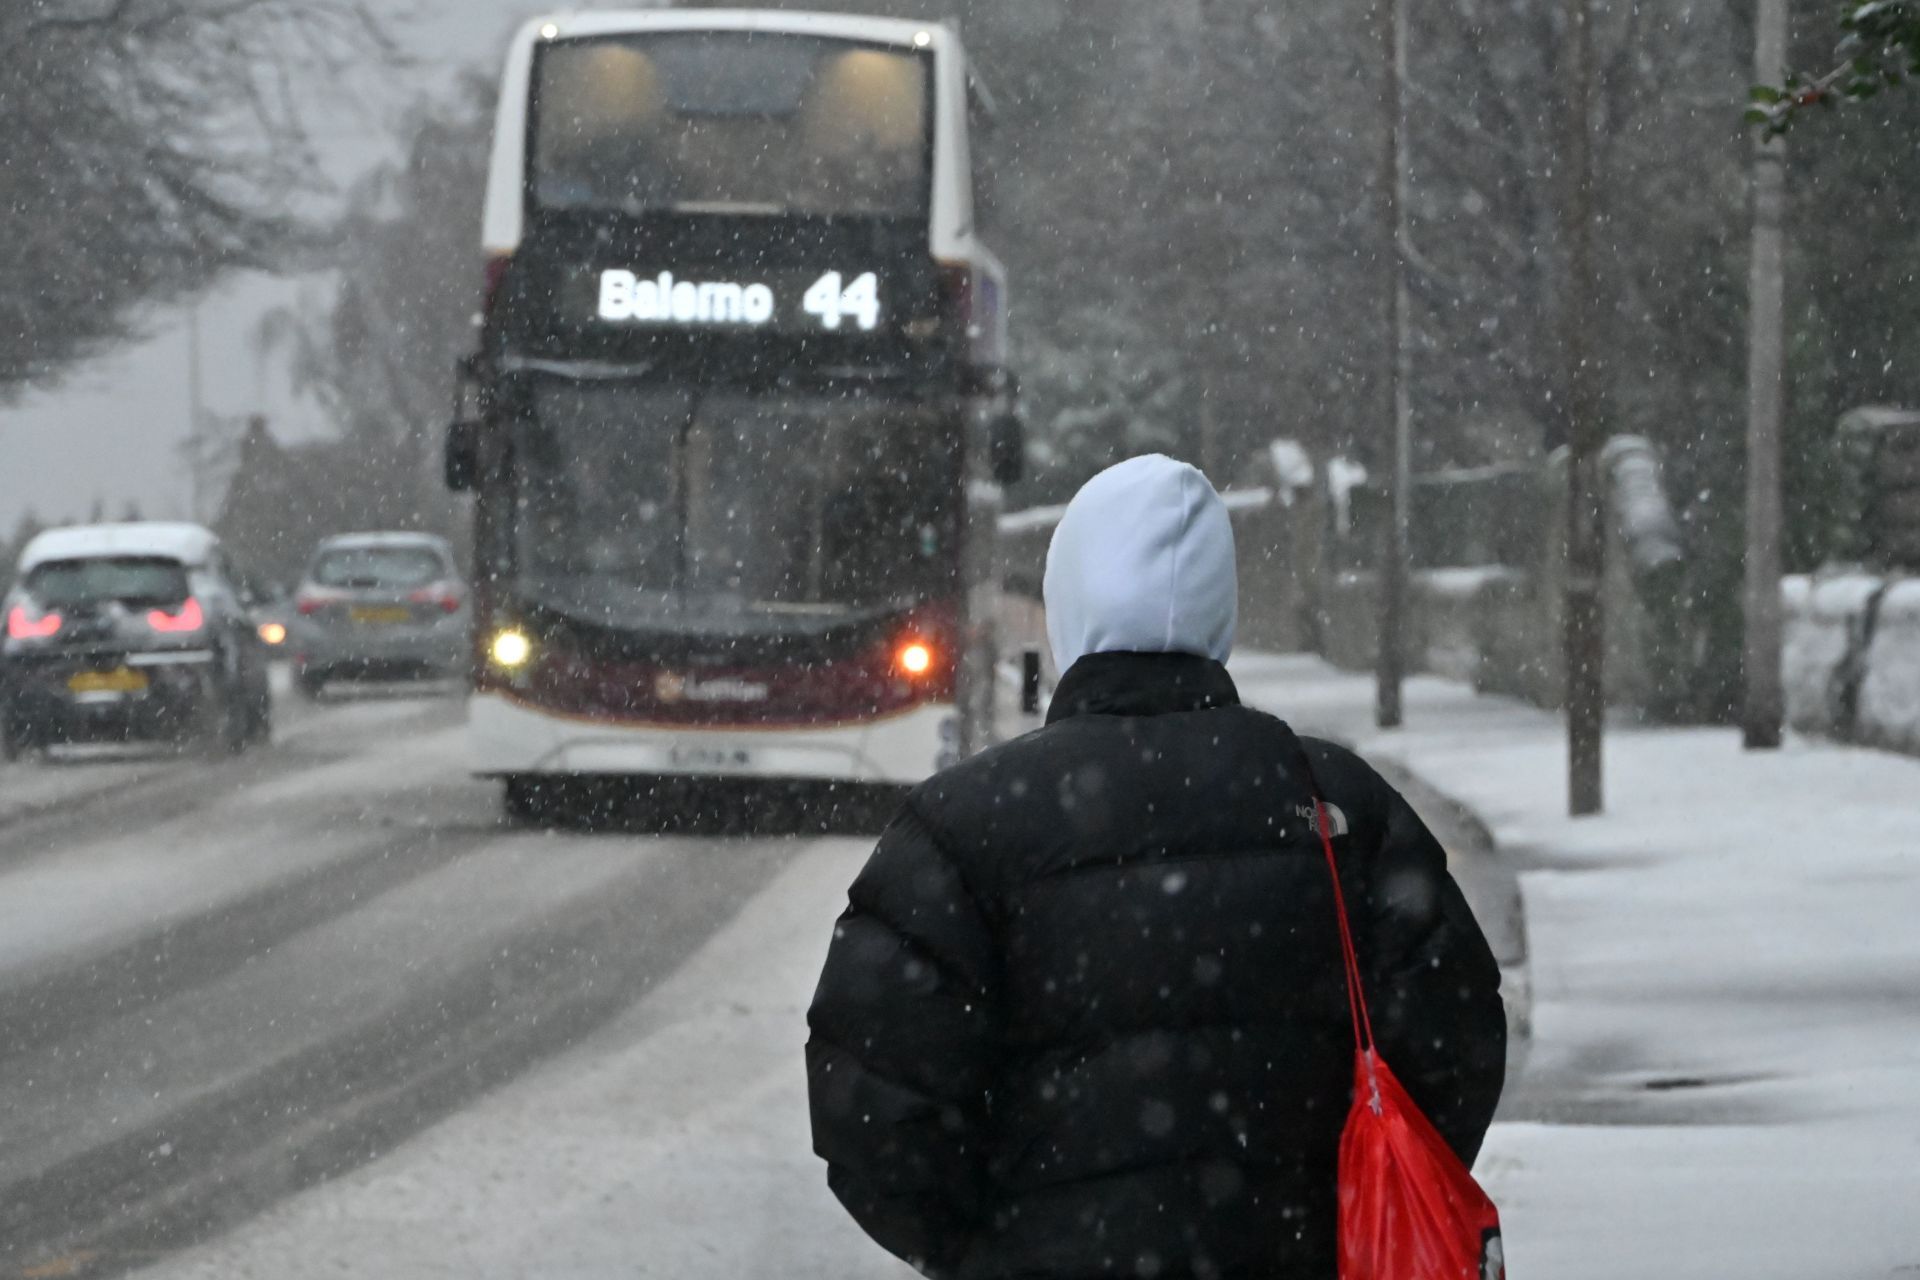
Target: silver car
[[382, 606]]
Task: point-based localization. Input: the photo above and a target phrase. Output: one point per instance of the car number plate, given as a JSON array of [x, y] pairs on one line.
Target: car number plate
[[118, 680], [378, 614], [689, 756]]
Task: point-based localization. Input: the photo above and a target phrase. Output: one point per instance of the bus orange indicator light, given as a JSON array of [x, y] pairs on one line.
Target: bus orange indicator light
[[915, 658], [273, 632]]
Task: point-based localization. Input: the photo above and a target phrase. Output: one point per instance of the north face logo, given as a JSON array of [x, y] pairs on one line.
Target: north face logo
[[1336, 819]]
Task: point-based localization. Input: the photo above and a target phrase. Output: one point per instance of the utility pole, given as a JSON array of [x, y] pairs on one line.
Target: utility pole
[[1584, 616], [1766, 363], [1391, 658]]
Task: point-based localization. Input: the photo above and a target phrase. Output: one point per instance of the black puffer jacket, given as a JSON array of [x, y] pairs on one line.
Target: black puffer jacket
[[1084, 1017]]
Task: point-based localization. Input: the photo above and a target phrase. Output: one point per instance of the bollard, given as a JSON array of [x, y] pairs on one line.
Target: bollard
[[1030, 681]]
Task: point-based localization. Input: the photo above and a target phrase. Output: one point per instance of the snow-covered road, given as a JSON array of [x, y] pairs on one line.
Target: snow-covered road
[[222, 982]]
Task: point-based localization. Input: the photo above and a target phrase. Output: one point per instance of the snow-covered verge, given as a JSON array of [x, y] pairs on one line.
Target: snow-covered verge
[[1851, 658], [1725, 1075]]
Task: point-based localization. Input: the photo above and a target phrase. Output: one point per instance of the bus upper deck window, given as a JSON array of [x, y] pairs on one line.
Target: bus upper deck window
[[868, 100], [606, 90], [750, 122]]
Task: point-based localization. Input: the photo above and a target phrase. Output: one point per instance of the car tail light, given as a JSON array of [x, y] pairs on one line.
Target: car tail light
[[446, 597], [22, 625], [310, 605], [187, 618]]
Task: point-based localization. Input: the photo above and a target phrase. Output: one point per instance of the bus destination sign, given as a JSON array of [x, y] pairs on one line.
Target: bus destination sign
[[784, 301]]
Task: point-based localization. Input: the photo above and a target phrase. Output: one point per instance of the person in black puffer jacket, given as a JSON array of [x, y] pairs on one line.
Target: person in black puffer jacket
[[1084, 1015]]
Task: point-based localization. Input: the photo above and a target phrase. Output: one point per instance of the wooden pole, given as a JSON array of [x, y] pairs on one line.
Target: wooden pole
[[1584, 637], [1391, 659], [1766, 376]]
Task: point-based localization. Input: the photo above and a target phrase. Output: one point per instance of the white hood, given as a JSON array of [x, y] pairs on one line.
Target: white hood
[[1142, 562]]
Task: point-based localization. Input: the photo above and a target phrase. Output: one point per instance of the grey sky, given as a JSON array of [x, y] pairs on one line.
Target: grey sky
[[114, 430]]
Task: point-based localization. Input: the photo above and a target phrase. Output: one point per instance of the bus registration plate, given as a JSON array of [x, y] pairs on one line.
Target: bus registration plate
[[710, 757]]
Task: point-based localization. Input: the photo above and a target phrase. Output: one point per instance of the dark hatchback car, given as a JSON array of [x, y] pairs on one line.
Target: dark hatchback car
[[130, 632]]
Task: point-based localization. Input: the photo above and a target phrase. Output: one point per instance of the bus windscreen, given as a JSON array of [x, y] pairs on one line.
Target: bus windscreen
[[664, 510], [734, 121]]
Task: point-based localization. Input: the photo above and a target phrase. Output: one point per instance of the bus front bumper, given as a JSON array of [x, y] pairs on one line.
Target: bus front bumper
[[511, 738]]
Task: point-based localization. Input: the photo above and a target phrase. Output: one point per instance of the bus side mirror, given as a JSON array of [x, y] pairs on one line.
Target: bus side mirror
[[463, 455], [1007, 448]]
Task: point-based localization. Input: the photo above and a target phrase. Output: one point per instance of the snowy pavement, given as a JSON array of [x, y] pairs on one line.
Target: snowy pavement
[[1724, 1078]]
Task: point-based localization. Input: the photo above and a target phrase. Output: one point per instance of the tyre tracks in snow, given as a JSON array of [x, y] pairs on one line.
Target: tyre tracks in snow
[[389, 953], [52, 804]]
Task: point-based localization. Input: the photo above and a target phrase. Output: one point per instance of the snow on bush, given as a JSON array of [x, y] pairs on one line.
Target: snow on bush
[[1890, 694], [1823, 615]]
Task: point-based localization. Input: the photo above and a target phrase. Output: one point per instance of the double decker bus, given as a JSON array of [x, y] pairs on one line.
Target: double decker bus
[[740, 410]]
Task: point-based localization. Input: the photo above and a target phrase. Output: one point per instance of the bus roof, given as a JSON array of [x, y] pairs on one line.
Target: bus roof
[[844, 26]]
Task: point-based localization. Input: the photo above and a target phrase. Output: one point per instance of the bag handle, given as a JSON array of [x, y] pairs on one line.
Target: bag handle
[[1356, 997], [1349, 954]]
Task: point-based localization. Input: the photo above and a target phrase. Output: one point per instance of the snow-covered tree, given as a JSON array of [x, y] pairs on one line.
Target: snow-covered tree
[[1879, 49], [380, 357], [147, 146]]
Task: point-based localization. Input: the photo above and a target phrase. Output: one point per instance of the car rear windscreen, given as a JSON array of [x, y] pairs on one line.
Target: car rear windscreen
[[64, 584], [378, 567]]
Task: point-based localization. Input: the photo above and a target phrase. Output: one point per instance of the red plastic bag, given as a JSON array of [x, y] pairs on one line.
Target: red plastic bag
[[1409, 1209]]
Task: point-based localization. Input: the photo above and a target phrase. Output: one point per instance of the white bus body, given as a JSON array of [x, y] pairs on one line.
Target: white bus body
[[573, 689]]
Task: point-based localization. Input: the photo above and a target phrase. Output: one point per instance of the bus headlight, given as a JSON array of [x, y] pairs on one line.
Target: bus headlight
[[273, 632], [510, 648]]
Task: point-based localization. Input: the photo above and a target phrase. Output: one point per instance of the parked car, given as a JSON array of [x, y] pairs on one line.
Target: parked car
[[380, 605], [130, 632]]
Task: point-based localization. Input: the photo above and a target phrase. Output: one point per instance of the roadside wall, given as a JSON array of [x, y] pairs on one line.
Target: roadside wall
[[1487, 587], [1490, 581]]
